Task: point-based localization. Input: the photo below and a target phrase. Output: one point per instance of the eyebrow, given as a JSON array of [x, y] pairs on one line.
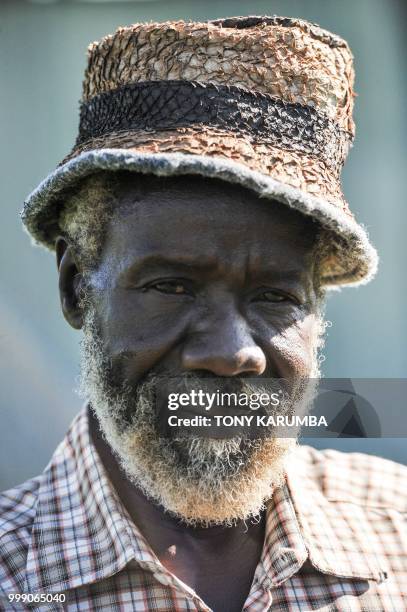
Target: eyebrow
[[149, 263], [292, 274], [184, 263]]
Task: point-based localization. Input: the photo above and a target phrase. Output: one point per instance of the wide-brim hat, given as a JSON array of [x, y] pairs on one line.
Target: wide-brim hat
[[263, 102]]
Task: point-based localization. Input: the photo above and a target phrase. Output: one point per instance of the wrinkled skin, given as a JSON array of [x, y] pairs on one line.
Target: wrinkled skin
[[199, 275]]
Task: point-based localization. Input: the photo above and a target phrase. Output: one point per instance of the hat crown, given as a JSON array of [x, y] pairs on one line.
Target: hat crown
[[289, 59], [264, 102]]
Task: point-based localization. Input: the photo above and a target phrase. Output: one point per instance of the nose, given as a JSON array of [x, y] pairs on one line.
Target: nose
[[225, 347]]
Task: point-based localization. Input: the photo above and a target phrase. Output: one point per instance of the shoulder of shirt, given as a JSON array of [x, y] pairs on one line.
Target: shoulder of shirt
[[358, 478], [18, 506]]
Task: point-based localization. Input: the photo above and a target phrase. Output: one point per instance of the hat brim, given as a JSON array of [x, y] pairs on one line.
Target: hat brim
[[354, 259]]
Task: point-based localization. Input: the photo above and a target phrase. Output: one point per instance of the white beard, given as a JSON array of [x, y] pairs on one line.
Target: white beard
[[199, 480]]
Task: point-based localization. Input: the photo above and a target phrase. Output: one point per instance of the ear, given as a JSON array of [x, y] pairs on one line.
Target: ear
[[70, 281]]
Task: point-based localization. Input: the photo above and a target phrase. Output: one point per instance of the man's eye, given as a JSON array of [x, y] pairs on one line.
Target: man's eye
[[170, 287], [272, 296]]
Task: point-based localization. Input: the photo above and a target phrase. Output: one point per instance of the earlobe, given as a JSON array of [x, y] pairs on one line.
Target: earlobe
[[70, 281]]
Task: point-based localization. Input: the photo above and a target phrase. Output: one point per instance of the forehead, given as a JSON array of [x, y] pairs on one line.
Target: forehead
[[196, 217]]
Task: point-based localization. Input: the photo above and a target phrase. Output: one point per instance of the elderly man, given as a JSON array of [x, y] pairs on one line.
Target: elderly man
[[197, 225]]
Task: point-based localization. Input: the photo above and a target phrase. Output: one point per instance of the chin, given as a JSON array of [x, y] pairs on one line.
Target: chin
[[203, 481]]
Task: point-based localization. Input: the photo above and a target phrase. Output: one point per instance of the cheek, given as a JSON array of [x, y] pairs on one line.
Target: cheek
[[294, 347], [135, 335]]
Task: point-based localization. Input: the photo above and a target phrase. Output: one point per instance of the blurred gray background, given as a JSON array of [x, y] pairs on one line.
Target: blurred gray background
[[42, 51]]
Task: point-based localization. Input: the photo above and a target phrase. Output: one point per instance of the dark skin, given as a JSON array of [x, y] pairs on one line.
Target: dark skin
[[199, 275]]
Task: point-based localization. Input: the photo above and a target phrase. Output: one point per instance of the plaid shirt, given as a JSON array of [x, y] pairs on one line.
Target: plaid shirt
[[335, 539]]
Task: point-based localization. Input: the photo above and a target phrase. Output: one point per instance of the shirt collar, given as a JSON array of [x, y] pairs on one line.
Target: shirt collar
[[336, 532], [82, 533]]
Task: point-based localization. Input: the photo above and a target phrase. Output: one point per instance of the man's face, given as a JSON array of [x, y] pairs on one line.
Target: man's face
[[197, 277]]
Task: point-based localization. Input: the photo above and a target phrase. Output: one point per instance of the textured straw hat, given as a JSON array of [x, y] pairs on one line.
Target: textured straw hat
[[264, 102]]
